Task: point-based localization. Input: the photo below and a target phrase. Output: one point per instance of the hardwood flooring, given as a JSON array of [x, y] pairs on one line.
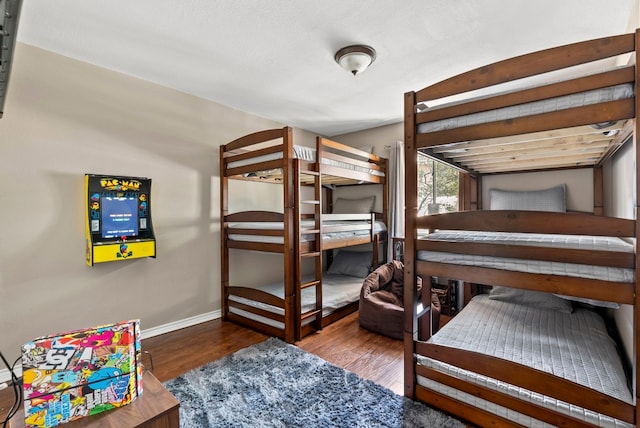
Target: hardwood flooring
[[343, 343]]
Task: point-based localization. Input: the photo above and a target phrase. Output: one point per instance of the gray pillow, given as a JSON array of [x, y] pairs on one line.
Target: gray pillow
[[552, 199], [532, 298], [592, 302], [354, 206], [352, 263]]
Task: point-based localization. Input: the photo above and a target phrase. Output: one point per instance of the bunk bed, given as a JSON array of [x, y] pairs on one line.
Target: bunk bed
[[308, 297], [504, 359]]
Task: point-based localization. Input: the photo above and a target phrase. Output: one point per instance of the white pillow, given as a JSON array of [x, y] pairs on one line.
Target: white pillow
[[354, 206], [552, 199], [352, 263]]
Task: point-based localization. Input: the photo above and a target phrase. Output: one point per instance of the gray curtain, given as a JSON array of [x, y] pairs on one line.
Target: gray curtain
[[396, 194]]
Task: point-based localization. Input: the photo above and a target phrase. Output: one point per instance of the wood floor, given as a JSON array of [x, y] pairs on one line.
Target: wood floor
[[343, 343]]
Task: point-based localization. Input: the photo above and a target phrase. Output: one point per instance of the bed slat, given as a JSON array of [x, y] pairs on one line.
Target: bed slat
[[462, 410], [254, 216], [258, 295]]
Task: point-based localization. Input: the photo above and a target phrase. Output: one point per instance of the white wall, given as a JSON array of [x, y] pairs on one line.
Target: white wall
[[65, 118], [620, 201]]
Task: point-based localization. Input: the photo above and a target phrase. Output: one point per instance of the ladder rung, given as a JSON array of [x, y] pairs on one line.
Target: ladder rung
[[309, 231], [310, 314], [311, 254], [309, 172], [310, 284], [310, 202]]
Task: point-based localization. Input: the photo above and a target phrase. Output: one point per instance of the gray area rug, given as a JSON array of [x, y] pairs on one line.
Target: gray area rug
[[274, 384]]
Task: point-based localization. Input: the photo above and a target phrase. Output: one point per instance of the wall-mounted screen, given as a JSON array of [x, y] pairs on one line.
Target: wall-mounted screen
[[119, 216]]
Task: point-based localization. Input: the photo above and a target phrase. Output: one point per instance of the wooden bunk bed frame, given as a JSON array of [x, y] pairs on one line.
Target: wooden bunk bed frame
[[268, 156], [448, 145]]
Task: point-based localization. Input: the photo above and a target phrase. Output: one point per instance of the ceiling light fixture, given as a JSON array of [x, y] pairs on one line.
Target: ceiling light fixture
[[356, 58]]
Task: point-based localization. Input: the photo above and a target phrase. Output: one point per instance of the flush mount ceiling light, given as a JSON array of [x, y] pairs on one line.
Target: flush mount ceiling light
[[356, 58]]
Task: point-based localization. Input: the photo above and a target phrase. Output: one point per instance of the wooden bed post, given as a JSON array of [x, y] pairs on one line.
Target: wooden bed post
[[410, 234], [224, 251], [385, 210], [636, 307], [290, 274], [598, 191]]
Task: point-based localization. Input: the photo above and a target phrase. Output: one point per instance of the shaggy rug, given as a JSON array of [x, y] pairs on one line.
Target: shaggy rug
[[274, 384]]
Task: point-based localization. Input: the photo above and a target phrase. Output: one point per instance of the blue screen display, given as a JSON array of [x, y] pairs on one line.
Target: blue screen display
[[119, 216]]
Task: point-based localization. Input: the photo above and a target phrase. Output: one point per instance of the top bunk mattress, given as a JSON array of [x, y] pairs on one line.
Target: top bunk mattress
[[573, 346], [582, 242], [304, 153], [596, 96]]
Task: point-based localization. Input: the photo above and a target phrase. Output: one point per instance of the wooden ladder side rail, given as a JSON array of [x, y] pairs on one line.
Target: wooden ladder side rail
[[289, 181], [310, 249]]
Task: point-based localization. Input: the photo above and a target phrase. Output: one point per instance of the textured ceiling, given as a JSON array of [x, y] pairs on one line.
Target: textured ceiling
[[275, 58]]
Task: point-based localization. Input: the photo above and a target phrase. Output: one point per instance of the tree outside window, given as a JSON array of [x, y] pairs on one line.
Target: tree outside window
[[437, 186]]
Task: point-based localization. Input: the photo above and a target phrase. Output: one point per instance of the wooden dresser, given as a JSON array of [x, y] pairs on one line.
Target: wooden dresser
[[155, 408]]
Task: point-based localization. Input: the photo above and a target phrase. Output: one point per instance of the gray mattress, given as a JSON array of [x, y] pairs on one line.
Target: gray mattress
[[337, 291], [543, 106], [572, 346], [378, 227], [533, 266]]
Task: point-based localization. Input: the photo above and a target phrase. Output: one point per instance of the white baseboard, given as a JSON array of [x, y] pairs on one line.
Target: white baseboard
[[5, 376]]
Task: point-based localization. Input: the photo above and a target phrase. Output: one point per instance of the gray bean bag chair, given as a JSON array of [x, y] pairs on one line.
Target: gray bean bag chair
[[381, 302]]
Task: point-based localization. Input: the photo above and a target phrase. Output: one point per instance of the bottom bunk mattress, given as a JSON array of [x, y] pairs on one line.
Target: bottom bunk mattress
[[574, 346], [337, 291]]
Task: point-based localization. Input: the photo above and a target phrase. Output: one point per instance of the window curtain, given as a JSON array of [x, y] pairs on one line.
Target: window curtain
[[396, 194]]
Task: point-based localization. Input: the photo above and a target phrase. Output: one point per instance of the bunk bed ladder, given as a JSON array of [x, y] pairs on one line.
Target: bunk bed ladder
[[311, 248]]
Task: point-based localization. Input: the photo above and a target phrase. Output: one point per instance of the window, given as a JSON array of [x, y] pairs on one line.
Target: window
[[437, 186]]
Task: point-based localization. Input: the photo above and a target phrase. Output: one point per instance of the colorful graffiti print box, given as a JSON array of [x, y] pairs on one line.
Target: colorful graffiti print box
[[81, 373]]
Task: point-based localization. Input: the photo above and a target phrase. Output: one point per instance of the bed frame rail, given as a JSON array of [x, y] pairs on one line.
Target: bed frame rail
[[530, 65], [521, 376], [530, 222]]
